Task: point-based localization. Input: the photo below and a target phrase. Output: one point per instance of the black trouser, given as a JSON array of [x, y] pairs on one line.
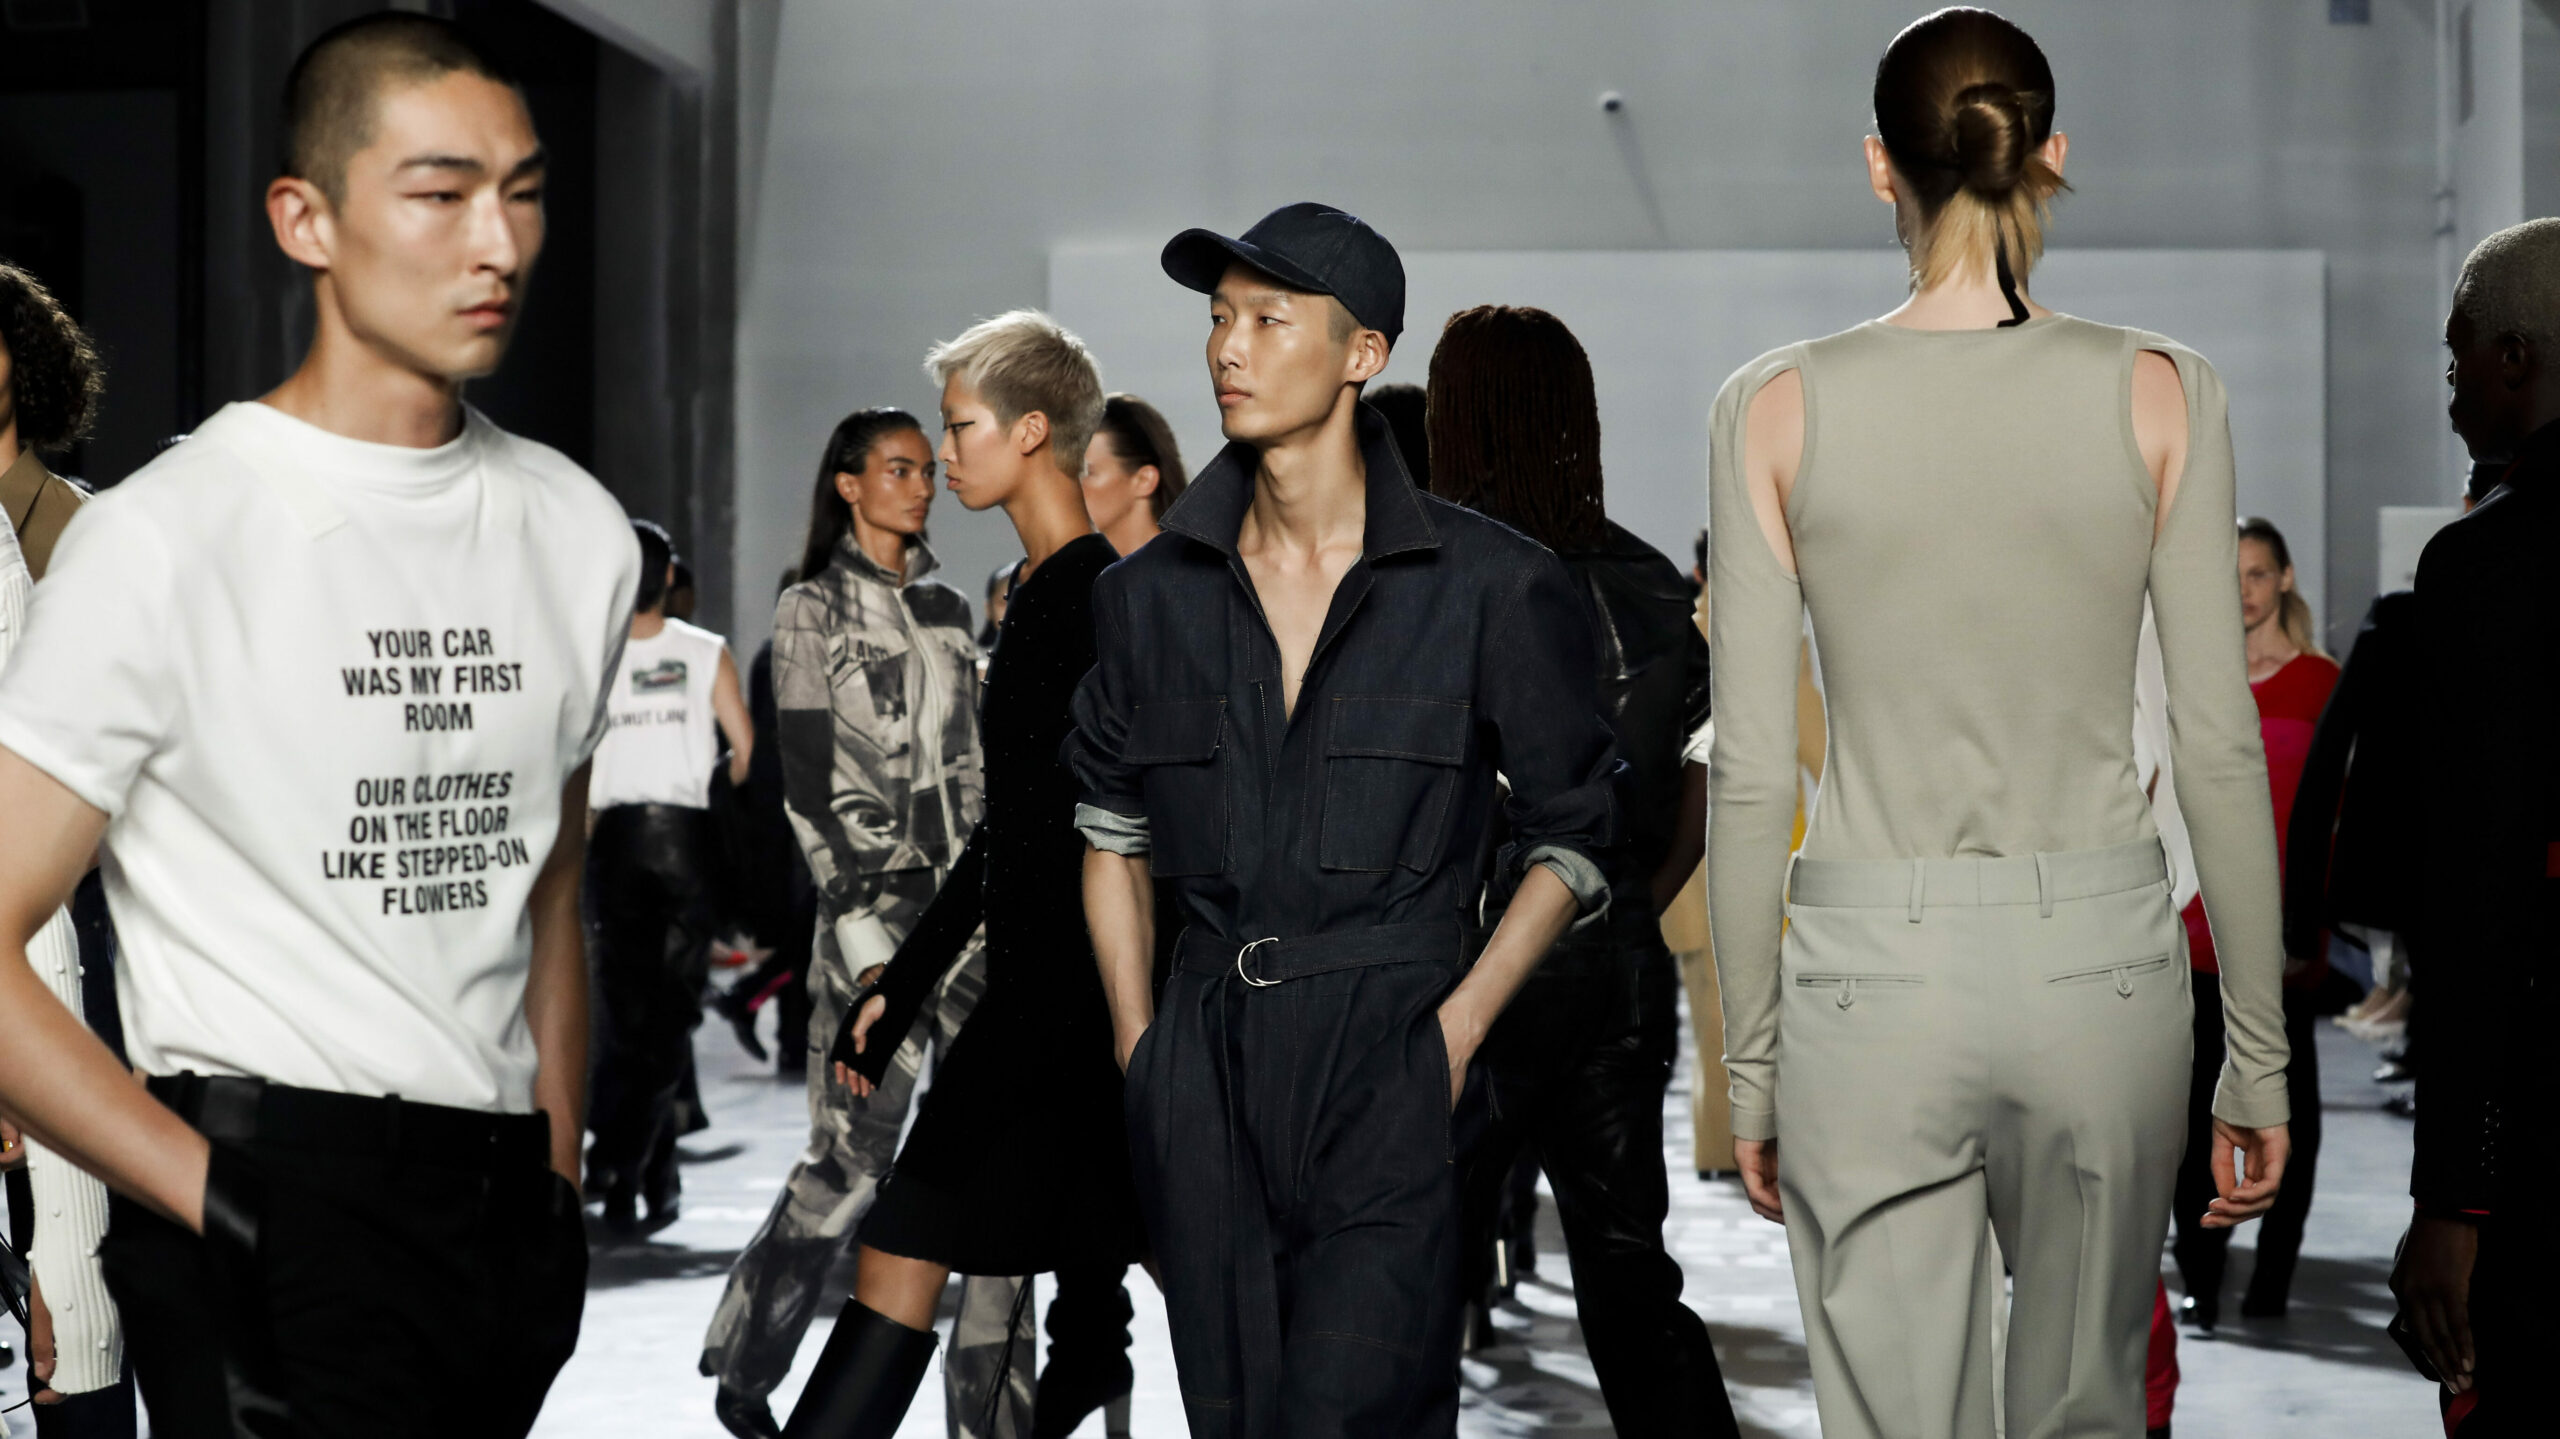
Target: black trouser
[[647, 890], [1292, 1155], [2202, 1253], [1577, 1066], [418, 1270]]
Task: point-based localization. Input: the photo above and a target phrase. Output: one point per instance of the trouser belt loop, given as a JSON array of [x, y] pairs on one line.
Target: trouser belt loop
[[1919, 886], [2044, 885]]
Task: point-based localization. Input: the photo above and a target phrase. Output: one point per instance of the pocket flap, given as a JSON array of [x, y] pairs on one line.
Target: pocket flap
[[1433, 731], [1183, 731]]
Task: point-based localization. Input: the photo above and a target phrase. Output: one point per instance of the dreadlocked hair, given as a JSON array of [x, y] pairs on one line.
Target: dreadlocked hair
[[1514, 425]]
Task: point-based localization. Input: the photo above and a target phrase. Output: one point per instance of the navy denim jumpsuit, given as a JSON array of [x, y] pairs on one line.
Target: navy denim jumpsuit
[[1289, 1108]]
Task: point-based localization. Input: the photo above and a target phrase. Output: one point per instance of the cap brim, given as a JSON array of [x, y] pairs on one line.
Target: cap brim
[[1198, 259]]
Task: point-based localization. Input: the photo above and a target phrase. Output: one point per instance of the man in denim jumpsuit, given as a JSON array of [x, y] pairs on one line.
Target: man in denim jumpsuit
[[1304, 690]]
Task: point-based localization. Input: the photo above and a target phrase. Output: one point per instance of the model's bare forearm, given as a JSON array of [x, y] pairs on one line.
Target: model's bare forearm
[[58, 1082], [1538, 916], [1119, 910], [555, 994], [62, 1086]]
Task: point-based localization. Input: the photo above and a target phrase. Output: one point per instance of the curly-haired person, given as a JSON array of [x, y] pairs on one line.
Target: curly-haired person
[[50, 380], [49, 383]]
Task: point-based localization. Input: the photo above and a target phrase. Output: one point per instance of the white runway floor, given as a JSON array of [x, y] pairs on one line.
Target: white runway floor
[[2326, 1371]]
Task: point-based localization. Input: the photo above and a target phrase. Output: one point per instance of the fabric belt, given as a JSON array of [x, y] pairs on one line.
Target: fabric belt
[[1262, 963], [1236, 970], [2042, 879], [237, 1110]]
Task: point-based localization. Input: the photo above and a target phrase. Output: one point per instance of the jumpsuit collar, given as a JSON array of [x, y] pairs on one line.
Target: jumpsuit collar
[[1212, 507]]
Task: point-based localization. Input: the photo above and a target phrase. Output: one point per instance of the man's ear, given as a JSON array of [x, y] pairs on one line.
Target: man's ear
[[1369, 351], [303, 222], [1030, 432], [2518, 359]]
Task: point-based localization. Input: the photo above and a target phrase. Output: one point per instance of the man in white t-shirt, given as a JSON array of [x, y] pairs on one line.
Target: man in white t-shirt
[[324, 679], [649, 881]]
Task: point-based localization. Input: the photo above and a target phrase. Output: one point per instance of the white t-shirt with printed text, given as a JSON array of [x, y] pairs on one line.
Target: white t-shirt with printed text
[[662, 739], [327, 693]]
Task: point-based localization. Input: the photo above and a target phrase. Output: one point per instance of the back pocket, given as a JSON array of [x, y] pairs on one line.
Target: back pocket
[[2123, 974], [1848, 989]]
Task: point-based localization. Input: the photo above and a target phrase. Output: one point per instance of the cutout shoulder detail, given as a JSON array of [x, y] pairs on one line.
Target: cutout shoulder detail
[[2159, 405], [1774, 433]]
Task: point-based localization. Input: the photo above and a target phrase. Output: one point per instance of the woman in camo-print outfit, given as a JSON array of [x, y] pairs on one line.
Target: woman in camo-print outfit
[[876, 683]]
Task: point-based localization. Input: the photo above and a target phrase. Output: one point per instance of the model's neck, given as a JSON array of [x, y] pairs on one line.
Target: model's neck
[[1133, 529], [9, 447], [886, 548], [1048, 514], [352, 388], [1311, 488], [648, 623], [2268, 646], [1969, 299]]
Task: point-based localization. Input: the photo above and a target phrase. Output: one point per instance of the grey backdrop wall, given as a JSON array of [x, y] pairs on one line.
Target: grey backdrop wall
[[909, 169]]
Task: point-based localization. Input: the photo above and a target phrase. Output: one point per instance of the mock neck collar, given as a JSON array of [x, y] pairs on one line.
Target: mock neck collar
[[920, 560]]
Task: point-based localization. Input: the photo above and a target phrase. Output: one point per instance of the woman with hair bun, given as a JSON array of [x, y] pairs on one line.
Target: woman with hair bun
[[1961, 1012]]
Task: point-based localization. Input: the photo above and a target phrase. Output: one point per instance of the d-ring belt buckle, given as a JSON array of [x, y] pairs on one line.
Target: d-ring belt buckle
[[1248, 978]]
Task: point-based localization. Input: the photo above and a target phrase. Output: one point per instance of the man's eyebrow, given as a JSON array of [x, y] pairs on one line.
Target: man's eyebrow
[[442, 162], [538, 160], [1258, 293]]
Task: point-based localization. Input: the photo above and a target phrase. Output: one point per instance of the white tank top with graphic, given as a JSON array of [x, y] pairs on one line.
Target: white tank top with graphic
[[662, 739]]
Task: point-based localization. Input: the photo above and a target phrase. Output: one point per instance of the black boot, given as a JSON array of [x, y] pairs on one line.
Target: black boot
[[746, 1415], [865, 1379], [1088, 1366]]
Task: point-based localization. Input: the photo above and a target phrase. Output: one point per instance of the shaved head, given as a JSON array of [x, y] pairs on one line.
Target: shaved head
[[2511, 284], [331, 97]]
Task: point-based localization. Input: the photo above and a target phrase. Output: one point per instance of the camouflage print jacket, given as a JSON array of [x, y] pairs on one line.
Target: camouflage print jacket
[[875, 678]]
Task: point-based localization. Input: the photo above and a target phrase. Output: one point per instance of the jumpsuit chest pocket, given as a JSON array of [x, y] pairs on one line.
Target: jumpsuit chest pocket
[[1390, 770], [2122, 974], [1175, 742]]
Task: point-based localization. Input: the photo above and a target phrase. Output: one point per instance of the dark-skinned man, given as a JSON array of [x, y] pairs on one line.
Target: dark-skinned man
[[324, 677], [2482, 1257], [1302, 692]]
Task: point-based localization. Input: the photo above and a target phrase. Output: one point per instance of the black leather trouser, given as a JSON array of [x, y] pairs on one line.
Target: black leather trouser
[[1578, 1066], [649, 898]]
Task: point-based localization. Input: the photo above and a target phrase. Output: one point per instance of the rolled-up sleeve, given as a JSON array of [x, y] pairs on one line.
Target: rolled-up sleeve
[[1540, 690], [1111, 809]]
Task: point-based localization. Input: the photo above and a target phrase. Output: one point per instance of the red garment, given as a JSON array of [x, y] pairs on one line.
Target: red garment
[[2160, 1370], [2289, 705]]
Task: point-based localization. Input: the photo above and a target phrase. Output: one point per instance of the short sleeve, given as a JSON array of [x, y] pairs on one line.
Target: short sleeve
[[90, 694]]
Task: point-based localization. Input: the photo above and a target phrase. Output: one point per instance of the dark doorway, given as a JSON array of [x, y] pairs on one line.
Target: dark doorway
[[98, 101]]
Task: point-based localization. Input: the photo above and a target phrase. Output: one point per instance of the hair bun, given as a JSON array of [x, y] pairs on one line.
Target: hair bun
[[1990, 140]]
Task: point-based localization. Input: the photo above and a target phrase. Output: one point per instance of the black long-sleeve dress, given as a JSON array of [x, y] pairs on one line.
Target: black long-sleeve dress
[[1018, 1162]]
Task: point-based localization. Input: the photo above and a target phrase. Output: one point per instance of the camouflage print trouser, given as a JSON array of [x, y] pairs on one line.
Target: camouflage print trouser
[[780, 1277]]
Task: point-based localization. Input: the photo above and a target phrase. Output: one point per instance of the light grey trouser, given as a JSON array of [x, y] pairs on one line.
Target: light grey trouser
[[779, 1280], [1968, 1039]]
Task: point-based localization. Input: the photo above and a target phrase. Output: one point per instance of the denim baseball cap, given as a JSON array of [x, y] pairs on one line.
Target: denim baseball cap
[[1305, 246]]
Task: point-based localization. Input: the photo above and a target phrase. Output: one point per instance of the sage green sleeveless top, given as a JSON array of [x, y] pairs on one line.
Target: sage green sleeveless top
[[1973, 532]]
